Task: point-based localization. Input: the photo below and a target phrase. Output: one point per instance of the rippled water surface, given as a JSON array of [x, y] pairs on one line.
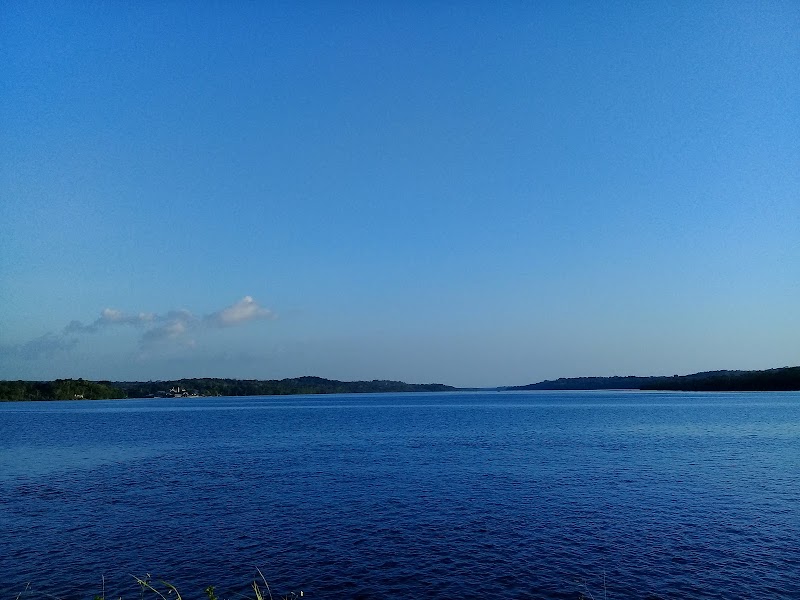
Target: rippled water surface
[[459, 495]]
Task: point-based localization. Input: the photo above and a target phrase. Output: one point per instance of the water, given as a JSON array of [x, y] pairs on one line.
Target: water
[[458, 495]]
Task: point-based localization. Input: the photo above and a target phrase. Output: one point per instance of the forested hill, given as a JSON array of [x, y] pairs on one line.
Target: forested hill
[[273, 387], [783, 379], [588, 383], [70, 389], [60, 389]]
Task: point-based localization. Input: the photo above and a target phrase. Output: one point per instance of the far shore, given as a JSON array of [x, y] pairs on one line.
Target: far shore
[[780, 379]]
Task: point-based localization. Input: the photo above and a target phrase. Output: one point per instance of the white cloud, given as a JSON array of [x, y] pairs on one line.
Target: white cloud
[[110, 317], [244, 310], [174, 326]]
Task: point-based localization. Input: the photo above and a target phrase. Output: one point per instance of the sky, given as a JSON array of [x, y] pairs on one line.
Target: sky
[[475, 194]]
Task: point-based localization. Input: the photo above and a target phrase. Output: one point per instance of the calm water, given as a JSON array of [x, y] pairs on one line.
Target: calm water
[[478, 495]]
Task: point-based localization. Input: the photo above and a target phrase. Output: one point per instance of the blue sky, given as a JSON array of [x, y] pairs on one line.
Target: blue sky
[[469, 193]]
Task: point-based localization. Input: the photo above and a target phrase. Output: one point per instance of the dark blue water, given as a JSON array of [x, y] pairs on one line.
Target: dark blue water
[[479, 495]]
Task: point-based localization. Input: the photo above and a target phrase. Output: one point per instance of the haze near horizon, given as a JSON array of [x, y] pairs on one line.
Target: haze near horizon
[[473, 195]]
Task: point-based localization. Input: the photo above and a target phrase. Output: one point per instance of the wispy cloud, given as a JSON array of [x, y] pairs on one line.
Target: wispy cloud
[[243, 311], [173, 326], [109, 317], [45, 346]]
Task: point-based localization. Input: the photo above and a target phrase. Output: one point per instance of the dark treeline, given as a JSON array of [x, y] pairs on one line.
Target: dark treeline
[[70, 389], [60, 389], [587, 383], [272, 387], [783, 379]]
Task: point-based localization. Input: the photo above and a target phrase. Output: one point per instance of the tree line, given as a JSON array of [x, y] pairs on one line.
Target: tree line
[[70, 389], [272, 387], [769, 380], [60, 389]]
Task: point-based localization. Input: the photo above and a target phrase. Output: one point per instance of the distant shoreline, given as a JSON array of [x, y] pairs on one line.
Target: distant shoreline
[[783, 379], [80, 389], [769, 380]]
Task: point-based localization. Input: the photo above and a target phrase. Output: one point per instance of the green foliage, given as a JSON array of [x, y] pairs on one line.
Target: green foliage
[[255, 387], [784, 379], [60, 389], [70, 389]]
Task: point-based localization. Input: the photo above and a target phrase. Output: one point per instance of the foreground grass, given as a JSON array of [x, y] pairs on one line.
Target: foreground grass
[[163, 590], [170, 592]]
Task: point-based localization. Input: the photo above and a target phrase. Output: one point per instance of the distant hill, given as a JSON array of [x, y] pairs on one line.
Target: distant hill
[[272, 387], [589, 383], [60, 389], [70, 389], [783, 379]]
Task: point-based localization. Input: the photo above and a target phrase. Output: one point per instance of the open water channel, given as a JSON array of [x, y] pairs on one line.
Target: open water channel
[[455, 495]]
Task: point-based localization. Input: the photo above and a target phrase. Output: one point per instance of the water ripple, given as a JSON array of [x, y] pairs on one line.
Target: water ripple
[[528, 496]]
